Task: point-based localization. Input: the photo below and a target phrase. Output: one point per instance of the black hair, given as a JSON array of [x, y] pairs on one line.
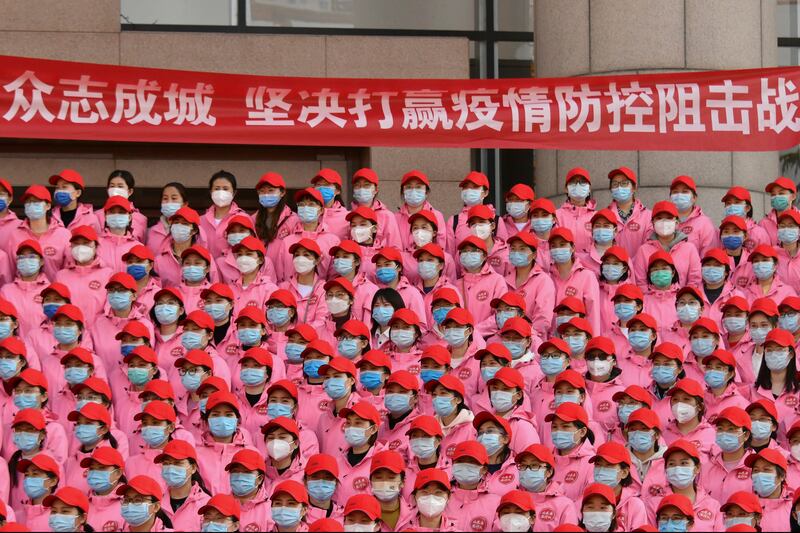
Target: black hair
[[176, 185], [16, 457], [224, 175], [161, 515], [589, 432], [268, 223], [391, 296], [156, 323], [126, 176], [764, 378]]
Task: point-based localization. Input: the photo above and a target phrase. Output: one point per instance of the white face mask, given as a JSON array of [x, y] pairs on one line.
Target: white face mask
[[246, 264], [422, 237], [599, 367], [361, 234], [482, 231], [82, 253], [279, 449], [222, 198], [337, 306], [514, 523], [683, 412], [359, 528], [597, 520], [117, 191], [303, 265], [431, 506], [665, 227]]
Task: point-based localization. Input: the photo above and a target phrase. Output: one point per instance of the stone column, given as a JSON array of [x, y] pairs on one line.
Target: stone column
[[596, 37]]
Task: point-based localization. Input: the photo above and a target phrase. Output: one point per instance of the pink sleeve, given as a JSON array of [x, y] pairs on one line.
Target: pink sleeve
[[541, 304], [591, 299], [569, 513], [640, 263], [523, 435], [636, 514], [694, 277], [57, 444]]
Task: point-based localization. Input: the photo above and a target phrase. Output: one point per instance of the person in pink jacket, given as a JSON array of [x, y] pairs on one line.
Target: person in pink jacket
[[573, 444], [688, 416], [222, 188], [482, 224], [166, 315], [328, 183], [508, 306], [471, 501], [769, 484], [84, 272], [765, 281], [725, 472], [361, 427], [783, 193], [764, 430], [141, 505], [612, 467], [307, 283], [717, 289], [667, 360], [339, 384], [38, 225], [14, 358], [431, 493], [536, 466], [425, 449], [635, 360], [788, 234], [634, 218], [348, 263], [424, 230], [93, 428], [104, 472], [273, 218], [474, 190], [789, 319], [387, 481], [675, 511], [519, 200], [78, 365], [196, 275], [641, 435], [193, 367], [38, 478], [120, 183], [285, 450], [737, 339], [365, 191], [186, 492], [403, 348], [69, 187], [339, 302], [495, 433], [577, 332], [732, 234], [776, 378], [389, 274], [25, 289], [531, 282], [239, 228], [33, 434], [373, 369], [667, 237], [571, 277], [693, 222], [116, 238], [451, 411], [415, 188], [249, 485], [256, 280], [724, 389], [603, 228], [742, 508], [663, 284], [321, 481], [480, 284], [173, 197], [577, 210], [738, 202], [184, 232], [604, 381]]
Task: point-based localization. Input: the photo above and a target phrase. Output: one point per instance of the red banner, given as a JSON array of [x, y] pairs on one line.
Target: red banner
[[745, 110]]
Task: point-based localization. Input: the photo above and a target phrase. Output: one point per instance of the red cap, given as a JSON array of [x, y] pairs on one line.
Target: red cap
[[81, 354], [568, 527], [188, 214], [227, 505], [576, 322], [629, 291], [281, 422], [517, 325], [322, 462], [284, 384], [172, 291], [161, 388], [480, 211], [432, 475], [283, 296], [139, 252], [495, 349], [782, 182], [690, 290], [543, 204], [612, 452], [377, 358], [764, 305], [512, 299], [363, 410], [363, 212], [705, 323], [31, 416], [476, 178], [388, 459], [660, 255], [770, 455], [429, 217], [563, 233], [606, 214], [519, 498], [319, 346], [521, 191], [665, 206], [196, 358], [250, 459], [540, 452], [435, 352], [427, 424], [309, 191], [144, 485], [510, 377], [737, 221], [307, 244], [222, 290], [390, 253], [31, 376], [213, 382], [177, 449], [347, 246], [124, 279], [324, 525], [7, 186], [71, 496], [339, 364], [344, 283], [198, 250], [723, 356], [92, 411], [201, 319], [599, 489], [158, 410], [745, 500], [579, 172], [640, 394], [679, 501], [256, 314], [764, 250], [449, 382], [94, 384], [365, 503], [684, 180], [684, 446], [448, 294], [735, 415], [118, 201], [572, 377], [222, 397], [87, 232], [736, 302], [781, 337], [602, 344], [645, 416], [44, 463], [719, 255], [273, 179], [431, 248], [403, 378], [525, 237], [39, 192], [625, 171], [33, 245], [472, 240], [472, 449], [367, 174], [8, 309], [689, 386], [618, 252], [134, 328], [555, 342], [792, 302], [766, 405], [460, 316], [251, 243], [569, 412], [737, 193], [486, 416], [14, 345], [415, 174], [329, 175]]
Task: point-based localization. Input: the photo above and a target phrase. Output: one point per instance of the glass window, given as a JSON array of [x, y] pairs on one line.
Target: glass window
[[368, 14], [194, 12], [787, 22], [790, 159], [514, 15]]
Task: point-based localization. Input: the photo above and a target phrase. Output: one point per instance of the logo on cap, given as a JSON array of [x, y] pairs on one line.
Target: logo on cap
[[571, 291], [465, 373], [604, 406], [571, 476], [94, 285], [50, 251], [546, 515], [482, 295], [360, 483], [478, 524]]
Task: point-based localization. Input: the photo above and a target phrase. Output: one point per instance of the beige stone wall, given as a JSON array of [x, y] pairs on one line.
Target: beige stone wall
[[89, 30]]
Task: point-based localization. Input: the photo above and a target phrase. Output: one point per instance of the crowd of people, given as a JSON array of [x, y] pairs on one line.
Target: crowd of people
[[356, 368]]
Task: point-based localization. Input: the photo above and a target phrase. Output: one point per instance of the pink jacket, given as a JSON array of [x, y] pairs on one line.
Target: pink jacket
[[721, 481], [111, 248], [635, 368], [703, 436], [257, 511], [498, 256], [311, 308], [777, 512], [256, 293], [473, 510], [311, 403], [212, 457], [478, 290], [777, 291], [56, 443], [578, 221], [684, 254], [72, 466], [353, 479], [633, 232], [573, 471], [84, 216], [404, 227], [87, 285], [186, 517], [539, 293], [582, 284], [553, 508], [106, 326], [707, 515], [283, 261], [411, 266], [387, 224], [104, 511], [35, 517], [412, 298], [700, 230], [54, 243], [215, 229], [25, 297], [447, 523], [605, 408], [457, 229], [138, 223], [631, 511], [334, 218], [770, 226], [734, 396], [661, 304], [506, 227]]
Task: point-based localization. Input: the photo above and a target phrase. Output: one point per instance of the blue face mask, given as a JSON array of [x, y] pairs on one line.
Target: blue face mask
[[682, 200], [382, 314], [778, 203], [26, 441], [327, 192], [727, 442], [34, 487], [542, 225], [624, 311], [488, 372], [343, 265], [217, 311], [471, 197], [62, 198], [348, 348], [612, 272], [335, 388], [214, 527], [118, 220], [363, 195], [763, 269], [294, 352], [253, 376], [28, 266], [712, 274], [135, 514], [467, 474], [35, 210], [275, 410], [154, 436], [193, 273], [222, 426], [561, 255], [286, 516], [624, 411], [136, 271], [278, 316], [191, 382], [789, 322], [714, 378], [174, 476], [403, 338], [788, 235], [311, 367], [99, 480], [563, 440], [759, 335], [440, 313], [577, 343], [490, 441], [455, 336], [138, 376], [734, 324], [761, 430], [8, 368], [680, 476], [551, 366], [517, 348], [673, 526], [603, 235], [688, 313], [65, 334], [517, 209], [732, 242], [269, 200], [249, 336], [764, 483], [429, 374], [166, 313], [371, 379], [119, 300], [308, 214], [501, 317], [397, 403], [639, 340], [703, 346], [640, 441], [414, 197], [87, 433], [578, 191], [502, 401], [606, 476], [192, 340], [321, 489], [76, 374], [170, 208], [26, 400], [3, 203], [50, 309], [621, 194], [739, 210], [428, 270], [62, 522], [443, 405], [559, 399], [533, 480], [519, 259], [386, 274], [663, 375], [243, 483], [471, 260]]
